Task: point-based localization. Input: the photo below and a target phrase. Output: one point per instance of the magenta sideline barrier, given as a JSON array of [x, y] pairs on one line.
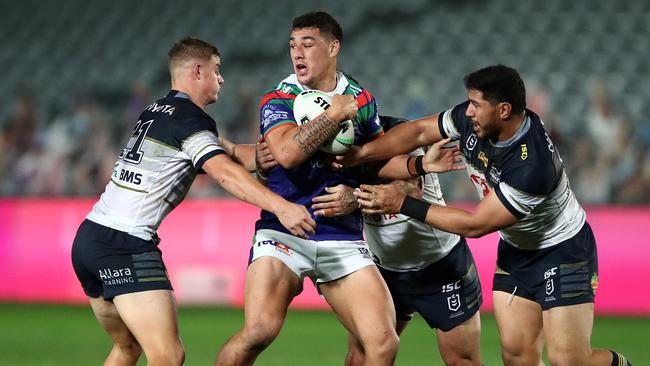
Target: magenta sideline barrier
[[206, 244]]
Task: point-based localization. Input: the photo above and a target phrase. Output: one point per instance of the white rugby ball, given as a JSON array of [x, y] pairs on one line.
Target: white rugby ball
[[311, 103]]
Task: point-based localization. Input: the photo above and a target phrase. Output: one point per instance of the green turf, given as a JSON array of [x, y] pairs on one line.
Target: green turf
[[69, 335]]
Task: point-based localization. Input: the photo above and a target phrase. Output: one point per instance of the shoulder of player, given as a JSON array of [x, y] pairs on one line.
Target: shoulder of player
[[529, 165], [355, 88], [174, 120], [456, 115], [283, 93]]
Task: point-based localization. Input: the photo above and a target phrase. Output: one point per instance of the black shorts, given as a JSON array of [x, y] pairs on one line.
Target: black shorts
[[109, 262], [562, 275], [446, 293]]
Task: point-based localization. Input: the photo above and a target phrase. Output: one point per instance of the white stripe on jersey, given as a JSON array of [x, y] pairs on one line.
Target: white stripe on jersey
[[448, 125], [549, 220], [199, 144], [520, 200]]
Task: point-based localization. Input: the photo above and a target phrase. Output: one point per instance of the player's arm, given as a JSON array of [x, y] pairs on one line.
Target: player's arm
[[340, 199], [238, 182], [253, 157], [292, 145], [400, 139], [438, 159], [242, 154], [490, 215]]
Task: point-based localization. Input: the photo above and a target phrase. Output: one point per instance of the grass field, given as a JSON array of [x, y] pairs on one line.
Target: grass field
[[68, 335]]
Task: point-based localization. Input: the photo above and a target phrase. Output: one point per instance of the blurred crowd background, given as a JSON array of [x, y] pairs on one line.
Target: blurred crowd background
[[77, 74]]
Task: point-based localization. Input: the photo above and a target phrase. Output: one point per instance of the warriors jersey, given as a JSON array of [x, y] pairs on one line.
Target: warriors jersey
[[527, 175], [400, 243], [308, 180], [170, 143]]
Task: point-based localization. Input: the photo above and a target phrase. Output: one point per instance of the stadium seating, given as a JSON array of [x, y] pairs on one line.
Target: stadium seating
[[59, 50]]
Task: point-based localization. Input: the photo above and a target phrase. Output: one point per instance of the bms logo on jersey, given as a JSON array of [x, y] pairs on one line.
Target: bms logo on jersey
[[128, 176]]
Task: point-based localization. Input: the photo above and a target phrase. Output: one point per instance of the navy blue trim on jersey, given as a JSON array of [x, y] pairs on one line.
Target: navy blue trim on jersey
[[206, 157], [175, 118], [516, 213], [441, 126]]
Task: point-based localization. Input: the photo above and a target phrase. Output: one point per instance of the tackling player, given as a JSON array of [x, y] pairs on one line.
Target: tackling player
[[547, 270], [115, 253]]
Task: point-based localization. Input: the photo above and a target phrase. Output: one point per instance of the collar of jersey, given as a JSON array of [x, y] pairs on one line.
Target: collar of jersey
[[341, 83], [520, 132], [177, 94]]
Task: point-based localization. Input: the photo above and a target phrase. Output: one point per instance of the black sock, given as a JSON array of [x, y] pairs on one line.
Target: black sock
[[619, 360]]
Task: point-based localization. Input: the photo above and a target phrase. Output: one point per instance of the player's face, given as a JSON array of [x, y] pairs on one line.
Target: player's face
[[313, 57], [213, 80], [483, 114]]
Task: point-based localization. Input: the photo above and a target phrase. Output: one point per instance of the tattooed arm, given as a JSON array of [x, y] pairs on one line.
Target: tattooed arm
[[291, 145]]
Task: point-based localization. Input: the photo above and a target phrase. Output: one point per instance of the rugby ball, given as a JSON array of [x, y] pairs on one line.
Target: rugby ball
[[310, 104]]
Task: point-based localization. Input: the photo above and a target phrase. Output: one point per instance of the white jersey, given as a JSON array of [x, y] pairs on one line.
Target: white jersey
[[169, 145], [400, 243], [527, 175]]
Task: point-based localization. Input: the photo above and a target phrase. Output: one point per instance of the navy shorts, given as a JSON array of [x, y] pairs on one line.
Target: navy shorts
[[109, 262], [446, 293], [562, 275]]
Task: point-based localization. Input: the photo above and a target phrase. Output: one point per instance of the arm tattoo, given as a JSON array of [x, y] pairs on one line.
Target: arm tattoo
[[412, 187], [313, 134]]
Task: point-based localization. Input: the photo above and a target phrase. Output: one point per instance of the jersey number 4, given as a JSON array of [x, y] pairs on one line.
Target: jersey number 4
[[132, 152]]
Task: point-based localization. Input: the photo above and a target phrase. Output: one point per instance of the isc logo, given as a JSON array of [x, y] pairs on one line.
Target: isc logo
[[451, 287], [549, 273]]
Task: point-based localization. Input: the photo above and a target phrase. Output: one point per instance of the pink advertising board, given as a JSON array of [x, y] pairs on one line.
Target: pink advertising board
[[206, 244]]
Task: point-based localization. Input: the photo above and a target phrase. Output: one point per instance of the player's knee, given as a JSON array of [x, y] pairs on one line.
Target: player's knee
[[129, 349], [169, 355], [517, 354], [260, 335], [462, 358], [383, 344]]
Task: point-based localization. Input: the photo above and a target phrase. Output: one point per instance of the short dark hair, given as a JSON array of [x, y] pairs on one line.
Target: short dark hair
[[191, 48], [322, 21], [499, 83]]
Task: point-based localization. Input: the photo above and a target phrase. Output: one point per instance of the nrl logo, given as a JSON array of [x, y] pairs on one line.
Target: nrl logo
[[471, 142], [549, 286], [453, 302]]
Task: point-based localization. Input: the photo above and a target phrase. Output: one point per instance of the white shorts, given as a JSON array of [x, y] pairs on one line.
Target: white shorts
[[322, 261]]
